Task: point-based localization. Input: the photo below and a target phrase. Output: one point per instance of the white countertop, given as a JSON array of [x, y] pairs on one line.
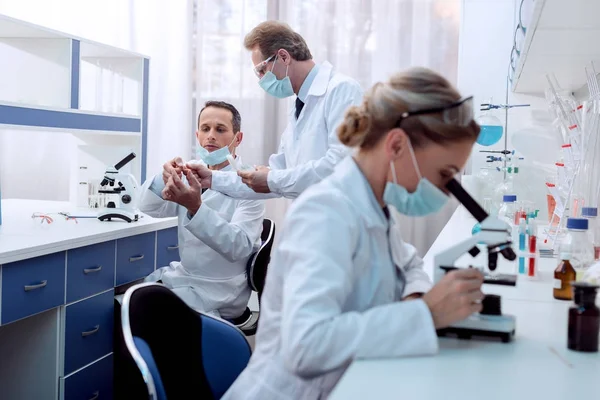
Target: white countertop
[[535, 365], [22, 237]]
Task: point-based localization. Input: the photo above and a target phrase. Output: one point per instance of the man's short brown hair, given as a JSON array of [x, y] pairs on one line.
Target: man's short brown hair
[[236, 119], [270, 36]]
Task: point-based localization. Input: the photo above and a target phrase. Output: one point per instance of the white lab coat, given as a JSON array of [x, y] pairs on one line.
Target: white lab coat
[[333, 294], [214, 247], [309, 149]]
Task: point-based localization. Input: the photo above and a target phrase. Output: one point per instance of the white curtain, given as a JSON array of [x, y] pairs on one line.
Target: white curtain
[[366, 39], [160, 29]]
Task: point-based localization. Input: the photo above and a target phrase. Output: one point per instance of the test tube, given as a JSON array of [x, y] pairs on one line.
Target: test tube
[[522, 237], [532, 267]]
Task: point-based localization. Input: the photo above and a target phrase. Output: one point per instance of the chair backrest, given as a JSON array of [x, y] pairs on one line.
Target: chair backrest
[[258, 263], [197, 356], [142, 347]]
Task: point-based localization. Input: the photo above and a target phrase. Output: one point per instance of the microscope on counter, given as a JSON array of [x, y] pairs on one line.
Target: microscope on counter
[[125, 187], [495, 234]]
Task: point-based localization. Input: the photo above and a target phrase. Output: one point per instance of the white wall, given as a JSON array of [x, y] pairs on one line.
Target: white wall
[[160, 29], [486, 39]]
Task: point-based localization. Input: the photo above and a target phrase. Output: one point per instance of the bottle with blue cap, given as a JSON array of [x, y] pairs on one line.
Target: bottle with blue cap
[[591, 214], [578, 244], [508, 209]]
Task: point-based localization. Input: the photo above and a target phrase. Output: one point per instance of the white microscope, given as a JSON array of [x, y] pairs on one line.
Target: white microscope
[[490, 322], [123, 185]]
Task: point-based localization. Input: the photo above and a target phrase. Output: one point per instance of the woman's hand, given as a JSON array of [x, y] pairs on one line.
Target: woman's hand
[[455, 297]]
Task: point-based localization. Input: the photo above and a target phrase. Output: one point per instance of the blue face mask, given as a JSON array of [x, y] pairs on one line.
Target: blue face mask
[[216, 157], [427, 199], [280, 88]]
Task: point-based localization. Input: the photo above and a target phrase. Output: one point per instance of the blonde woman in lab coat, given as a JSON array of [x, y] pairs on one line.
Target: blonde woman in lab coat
[[342, 284]]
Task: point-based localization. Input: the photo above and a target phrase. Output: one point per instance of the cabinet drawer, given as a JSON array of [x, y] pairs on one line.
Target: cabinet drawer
[[33, 285], [88, 330], [135, 257], [92, 383], [167, 247], [90, 270]]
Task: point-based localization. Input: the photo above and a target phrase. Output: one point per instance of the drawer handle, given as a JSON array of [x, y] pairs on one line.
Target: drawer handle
[[88, 333], [90, 270], [29, 288], [175, 247], [136, 258], [96, 395]]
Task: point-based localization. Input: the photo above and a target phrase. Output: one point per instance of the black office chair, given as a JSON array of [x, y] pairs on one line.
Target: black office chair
[[180, 353], [256, 270]]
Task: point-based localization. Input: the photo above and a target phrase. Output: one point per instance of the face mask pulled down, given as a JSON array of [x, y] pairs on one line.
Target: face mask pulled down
[[216, 157], [280, 88], [426, 199]]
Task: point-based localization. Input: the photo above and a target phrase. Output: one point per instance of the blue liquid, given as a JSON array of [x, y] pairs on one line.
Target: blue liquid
[[490, 135], [521, 247], [521, 265]]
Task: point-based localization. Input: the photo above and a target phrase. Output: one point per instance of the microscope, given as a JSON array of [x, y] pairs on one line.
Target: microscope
[[495, 234], [123, 185]]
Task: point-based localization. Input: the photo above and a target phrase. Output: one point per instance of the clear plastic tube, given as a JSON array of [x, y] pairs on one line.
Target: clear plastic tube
[[590, 171]]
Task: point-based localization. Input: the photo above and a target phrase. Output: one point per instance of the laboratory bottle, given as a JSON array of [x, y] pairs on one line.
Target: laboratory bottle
[[577, 243], [591, 214], [507, 211], [584, 318], [564, 274]]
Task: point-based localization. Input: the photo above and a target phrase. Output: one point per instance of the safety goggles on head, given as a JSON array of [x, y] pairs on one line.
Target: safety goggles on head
[[261, 67], [459, 113]]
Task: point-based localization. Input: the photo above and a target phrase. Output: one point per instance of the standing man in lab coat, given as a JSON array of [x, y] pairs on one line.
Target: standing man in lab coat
[[217, 234], [309, 148]]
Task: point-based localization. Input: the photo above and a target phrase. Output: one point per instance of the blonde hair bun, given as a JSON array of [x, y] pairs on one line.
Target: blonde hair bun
[[355, 127]]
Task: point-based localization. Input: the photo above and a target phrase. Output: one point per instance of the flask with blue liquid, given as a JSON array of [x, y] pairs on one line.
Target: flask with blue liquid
[[491, 129]]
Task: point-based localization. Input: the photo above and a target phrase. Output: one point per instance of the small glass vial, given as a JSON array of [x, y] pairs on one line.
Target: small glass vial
[[564, 274], [584, 318]]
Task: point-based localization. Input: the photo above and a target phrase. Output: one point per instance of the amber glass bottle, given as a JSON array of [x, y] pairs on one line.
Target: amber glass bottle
[[584, 318], [564, 274]]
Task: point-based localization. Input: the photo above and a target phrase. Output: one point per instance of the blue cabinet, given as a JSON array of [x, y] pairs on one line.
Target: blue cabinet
[[167, 247], [90, 270], [94, 382], [88, 330], [32, 286], [135, 257]]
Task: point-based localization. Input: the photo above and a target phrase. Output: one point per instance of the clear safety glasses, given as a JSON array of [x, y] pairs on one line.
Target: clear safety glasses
[[459, 113], [260, 68]]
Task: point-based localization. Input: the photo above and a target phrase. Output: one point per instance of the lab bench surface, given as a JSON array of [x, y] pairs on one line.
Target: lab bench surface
[[23, 237], [57, 284], [535, 365]]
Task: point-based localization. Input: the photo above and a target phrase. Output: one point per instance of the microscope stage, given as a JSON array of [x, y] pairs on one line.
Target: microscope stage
[[478, 325]]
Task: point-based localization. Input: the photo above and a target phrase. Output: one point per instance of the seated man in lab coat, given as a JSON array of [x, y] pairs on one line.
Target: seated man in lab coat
[[217, 234], [309, 148]]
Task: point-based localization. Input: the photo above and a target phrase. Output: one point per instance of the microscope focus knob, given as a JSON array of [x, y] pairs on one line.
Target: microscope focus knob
[[491, 305]]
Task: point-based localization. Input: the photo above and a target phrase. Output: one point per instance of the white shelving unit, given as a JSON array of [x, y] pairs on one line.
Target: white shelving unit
[[561, 37], [55, 82]]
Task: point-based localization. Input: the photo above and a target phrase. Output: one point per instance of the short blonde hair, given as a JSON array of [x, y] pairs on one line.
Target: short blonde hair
[[270, 36], [413, 89]]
